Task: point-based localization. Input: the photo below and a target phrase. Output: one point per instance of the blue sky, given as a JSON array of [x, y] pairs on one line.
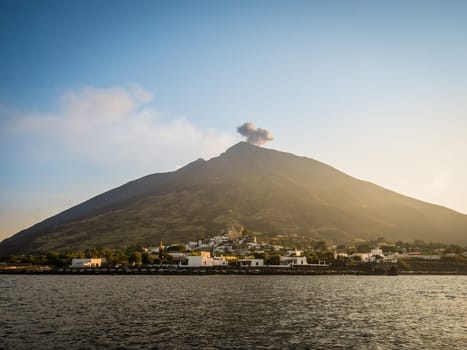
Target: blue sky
[[96, 93]]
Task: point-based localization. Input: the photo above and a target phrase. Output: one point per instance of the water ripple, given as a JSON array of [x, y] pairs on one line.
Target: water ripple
[[233, 312]]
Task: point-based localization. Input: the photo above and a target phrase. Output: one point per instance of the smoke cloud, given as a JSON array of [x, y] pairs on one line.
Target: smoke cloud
[[255, 136]]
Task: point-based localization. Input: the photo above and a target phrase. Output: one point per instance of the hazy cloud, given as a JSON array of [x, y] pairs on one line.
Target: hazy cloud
[[115, 126], [255, 136]]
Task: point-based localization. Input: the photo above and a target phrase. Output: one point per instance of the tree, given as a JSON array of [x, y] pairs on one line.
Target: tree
[[146, 258], [177, 248], [454, 248], [273, 260], [165, 258], [116, 257], [341, 261], [131, 249], [319, 245], [357, 258], [311, 257], [90, 253], [327, 256], [363, 248], [135, 258], [58, 259], [387, 248]]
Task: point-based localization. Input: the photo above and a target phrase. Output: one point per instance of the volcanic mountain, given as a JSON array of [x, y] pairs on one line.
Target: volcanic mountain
[[247, 186]]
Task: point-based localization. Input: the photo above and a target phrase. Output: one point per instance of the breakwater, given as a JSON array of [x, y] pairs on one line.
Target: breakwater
[[362, 269], [367, 269]]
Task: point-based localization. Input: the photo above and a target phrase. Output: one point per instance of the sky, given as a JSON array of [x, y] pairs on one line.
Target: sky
[[94, 94]]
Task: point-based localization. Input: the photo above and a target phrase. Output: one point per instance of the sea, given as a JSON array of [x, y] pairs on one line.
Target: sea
[[232, 312]]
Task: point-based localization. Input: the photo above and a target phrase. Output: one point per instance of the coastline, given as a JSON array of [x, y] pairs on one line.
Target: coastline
[[230, 270]]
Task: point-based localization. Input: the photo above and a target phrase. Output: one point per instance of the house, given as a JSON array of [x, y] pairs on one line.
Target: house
[[294, 260], [205, 254], [91, 262], [177, 257], [198, 261], [191, 245], [391, 258], [253, 245], [204, 259], [377, 252], [219, 261], [250, 262], [294, 252]]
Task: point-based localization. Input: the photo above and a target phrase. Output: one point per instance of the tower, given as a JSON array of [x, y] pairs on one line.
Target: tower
[[161, 246]]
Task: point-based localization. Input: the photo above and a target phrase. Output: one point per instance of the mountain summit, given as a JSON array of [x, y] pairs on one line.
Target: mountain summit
[[246, 186]]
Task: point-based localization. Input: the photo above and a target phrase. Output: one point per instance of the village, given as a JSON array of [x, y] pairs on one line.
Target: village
[[251, 252], [247, 251]]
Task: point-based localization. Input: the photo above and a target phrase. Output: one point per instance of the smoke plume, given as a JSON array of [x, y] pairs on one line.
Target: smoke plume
[[255, 136]]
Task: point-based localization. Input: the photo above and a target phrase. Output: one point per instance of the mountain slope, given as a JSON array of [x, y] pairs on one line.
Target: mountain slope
[[261, 189]]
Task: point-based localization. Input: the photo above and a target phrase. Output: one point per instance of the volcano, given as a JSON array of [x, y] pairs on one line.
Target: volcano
[[263, 190]]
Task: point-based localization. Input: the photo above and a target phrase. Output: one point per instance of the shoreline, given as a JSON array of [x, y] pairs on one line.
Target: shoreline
[[204, 271]]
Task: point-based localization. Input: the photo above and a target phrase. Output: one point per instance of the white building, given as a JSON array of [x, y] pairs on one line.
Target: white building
[[391, 258], [377, 252], [219, 261], [376, 255], [153, 250], [204, 259], [91, 262], [294, 252], [253, 245], [191, 245], [198, 261], [251, 262], [294, 260]]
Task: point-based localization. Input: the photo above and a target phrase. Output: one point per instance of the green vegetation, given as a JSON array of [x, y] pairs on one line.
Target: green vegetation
[[131, 255]]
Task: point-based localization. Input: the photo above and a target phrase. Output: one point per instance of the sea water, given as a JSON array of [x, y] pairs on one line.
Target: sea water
[[233, 312]]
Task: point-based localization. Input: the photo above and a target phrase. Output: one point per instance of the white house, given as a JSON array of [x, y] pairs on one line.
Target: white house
[[293, 260], [204, 259], [198, 260], [391, 258], [191, 245], [251, 262], [91, 262], [219, 261], [294, 252], [376, 252]]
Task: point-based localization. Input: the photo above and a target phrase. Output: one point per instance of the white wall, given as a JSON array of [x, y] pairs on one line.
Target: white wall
[[96, 262]]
